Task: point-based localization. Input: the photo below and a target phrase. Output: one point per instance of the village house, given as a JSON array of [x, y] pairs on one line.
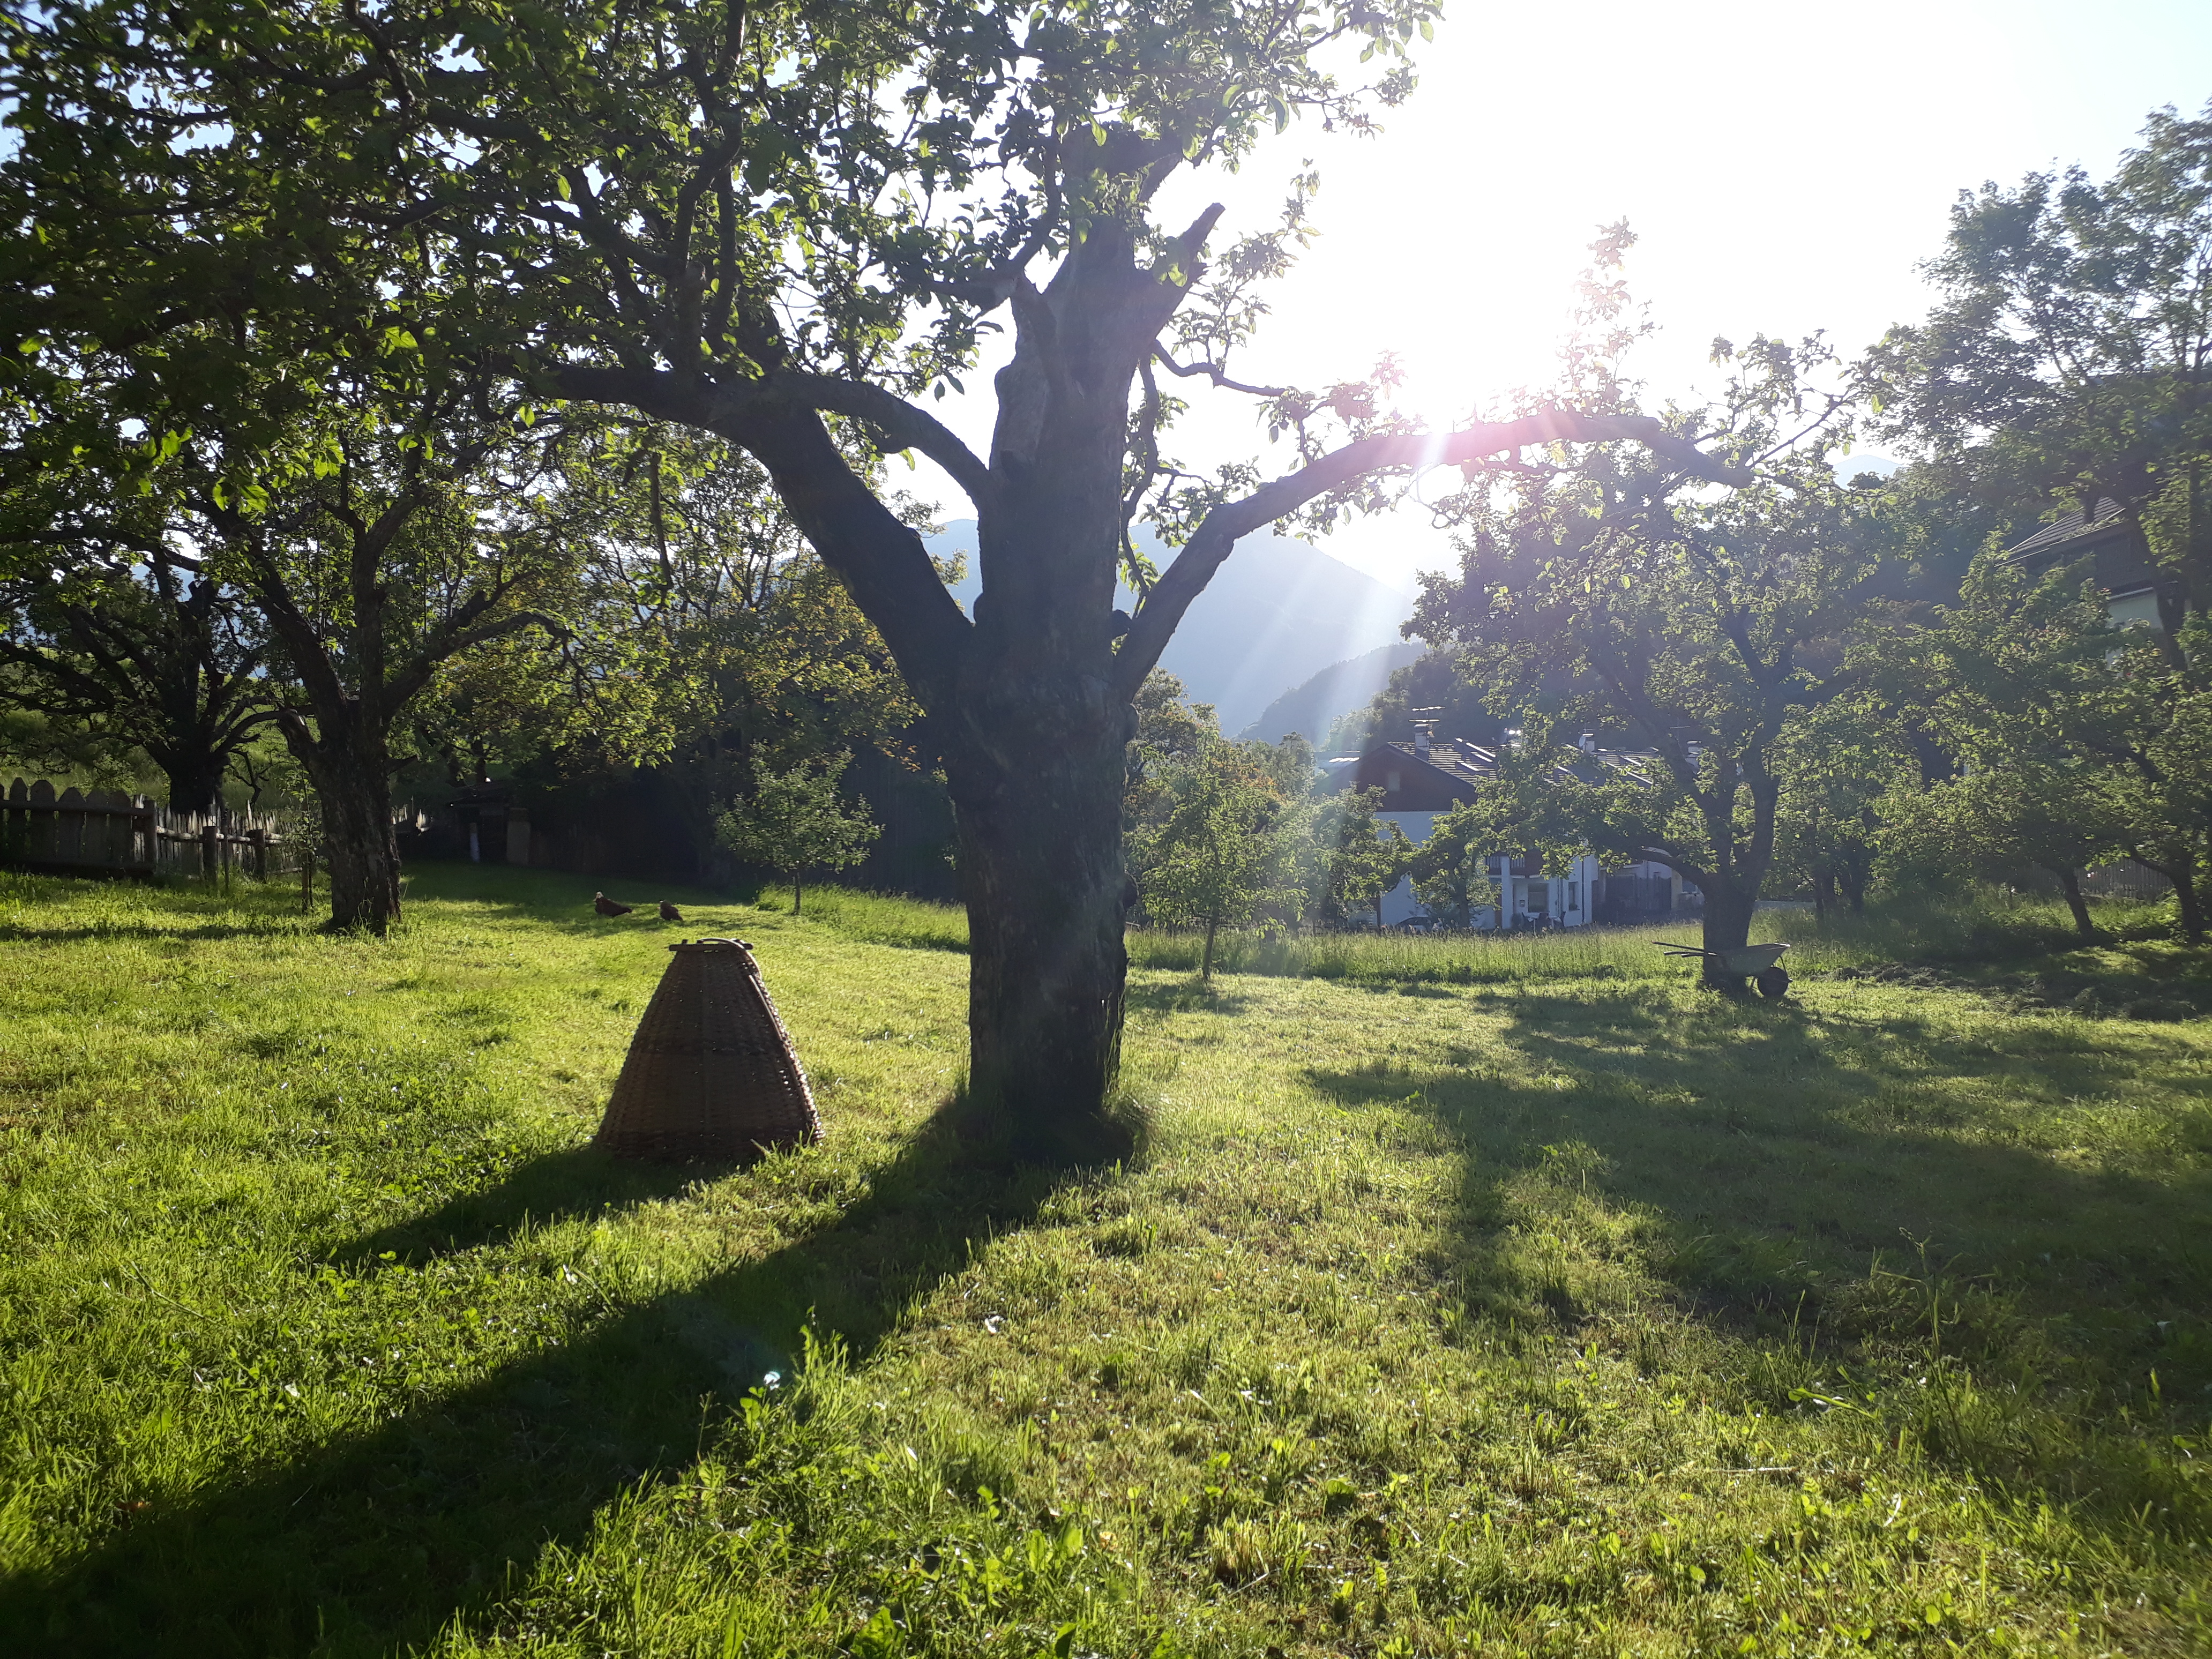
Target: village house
[[2136, 588], [1429, 776]]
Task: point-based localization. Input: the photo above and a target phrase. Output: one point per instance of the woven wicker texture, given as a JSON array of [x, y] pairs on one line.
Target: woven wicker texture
[[711, 1073]]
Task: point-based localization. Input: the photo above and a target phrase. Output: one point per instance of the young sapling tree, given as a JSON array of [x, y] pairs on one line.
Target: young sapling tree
[[794, 820]]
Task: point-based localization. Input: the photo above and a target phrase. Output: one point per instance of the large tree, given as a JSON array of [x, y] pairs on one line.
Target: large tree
[[1698, 627], [2069, 355], [134, 642], [765, 221], [2069, 361], [2076, 739], [408, 518]]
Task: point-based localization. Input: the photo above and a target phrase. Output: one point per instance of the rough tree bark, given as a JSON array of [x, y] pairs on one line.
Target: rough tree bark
[[346, 759], [1729, 909], [1740, 866], [194, 776]]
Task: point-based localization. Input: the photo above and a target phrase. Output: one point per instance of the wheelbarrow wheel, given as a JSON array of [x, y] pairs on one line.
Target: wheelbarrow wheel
[[1774, 983]]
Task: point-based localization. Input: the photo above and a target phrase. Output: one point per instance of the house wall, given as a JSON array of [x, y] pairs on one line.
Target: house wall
[[1568, 899]]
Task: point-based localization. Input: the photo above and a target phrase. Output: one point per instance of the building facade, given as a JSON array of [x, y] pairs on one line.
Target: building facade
[[1422, 779]]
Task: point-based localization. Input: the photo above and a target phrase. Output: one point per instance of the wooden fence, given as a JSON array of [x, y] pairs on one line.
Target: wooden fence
[[2125, 881], [108, 833]]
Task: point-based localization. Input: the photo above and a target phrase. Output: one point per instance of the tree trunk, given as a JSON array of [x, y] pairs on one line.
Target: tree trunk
[[195, 779], [1205, 962], [1824, 892], [797, 894], [1726, 928], [1041, 869], [347, 764], [2069, 883], [2184, 893], [2181, 870]]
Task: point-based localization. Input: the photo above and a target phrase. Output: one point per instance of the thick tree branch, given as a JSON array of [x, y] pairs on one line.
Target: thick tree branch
[[460, 632], [882, 562], [669, 398], [1186, 579], [898, 420]]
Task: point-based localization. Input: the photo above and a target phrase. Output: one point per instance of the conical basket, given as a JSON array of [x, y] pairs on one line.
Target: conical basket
[[711, 1073]]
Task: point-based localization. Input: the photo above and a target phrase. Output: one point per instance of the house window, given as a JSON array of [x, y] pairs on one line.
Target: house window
[[1391, 782], [2136, 610]]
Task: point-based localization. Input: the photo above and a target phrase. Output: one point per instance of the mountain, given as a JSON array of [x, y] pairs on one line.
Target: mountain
[[1278, 613], [1314, 707]]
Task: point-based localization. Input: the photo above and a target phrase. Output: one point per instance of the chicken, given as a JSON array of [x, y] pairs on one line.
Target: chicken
[[607, 907], [669, 912]]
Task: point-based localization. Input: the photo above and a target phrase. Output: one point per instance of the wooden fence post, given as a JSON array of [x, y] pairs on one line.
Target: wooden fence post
[[38, 843], [207, 851]]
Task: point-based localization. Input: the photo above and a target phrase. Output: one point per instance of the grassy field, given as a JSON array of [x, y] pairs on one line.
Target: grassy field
[[1534, 1303]]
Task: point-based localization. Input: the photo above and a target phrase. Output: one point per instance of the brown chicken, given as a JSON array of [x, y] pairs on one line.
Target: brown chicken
[[669, 912], [607, 907]]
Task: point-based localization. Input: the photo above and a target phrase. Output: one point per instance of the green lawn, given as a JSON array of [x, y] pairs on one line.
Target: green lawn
[[1561, 1309]]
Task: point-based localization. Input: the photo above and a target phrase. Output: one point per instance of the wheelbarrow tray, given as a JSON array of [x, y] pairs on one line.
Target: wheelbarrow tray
[[1752, 959]]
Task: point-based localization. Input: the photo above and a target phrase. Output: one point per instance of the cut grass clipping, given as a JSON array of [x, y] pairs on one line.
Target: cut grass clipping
[[1571, 1311]]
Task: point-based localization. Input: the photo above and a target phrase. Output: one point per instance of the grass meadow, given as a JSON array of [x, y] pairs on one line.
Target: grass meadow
[[1511, 1297]]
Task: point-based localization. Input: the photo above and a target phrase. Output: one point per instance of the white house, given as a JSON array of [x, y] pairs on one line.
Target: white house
[[1422, 779]]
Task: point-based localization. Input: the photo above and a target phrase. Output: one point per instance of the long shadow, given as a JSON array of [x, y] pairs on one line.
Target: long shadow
[[1182, 996], [1776, 1122], [375, 1541], [1780, 1153], [289, 927], [579, 1184]]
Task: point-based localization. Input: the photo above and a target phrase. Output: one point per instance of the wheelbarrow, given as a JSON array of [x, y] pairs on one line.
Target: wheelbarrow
[[1760, 963]]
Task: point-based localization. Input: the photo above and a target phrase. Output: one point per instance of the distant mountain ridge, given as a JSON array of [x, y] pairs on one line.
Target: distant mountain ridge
[[1278, 613], [1310, 710]]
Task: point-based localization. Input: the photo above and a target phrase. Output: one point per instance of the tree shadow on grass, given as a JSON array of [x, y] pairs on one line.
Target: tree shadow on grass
[[1183, 996], [208, 932], [581, 1183], [1777, 1154], [1835, 1133], [376, 1542]]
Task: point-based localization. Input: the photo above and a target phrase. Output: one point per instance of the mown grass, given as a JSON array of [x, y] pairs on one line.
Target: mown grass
[[1555, 1313]]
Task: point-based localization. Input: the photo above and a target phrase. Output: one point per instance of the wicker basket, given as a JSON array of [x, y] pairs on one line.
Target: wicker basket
[[711, 1073]]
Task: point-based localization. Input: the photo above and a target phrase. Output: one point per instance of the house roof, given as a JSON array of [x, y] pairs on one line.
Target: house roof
[[1453, 765], [1455, 758], [2060, 535]]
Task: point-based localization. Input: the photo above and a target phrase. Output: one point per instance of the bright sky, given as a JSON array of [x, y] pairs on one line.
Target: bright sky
[[1785, 168]]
